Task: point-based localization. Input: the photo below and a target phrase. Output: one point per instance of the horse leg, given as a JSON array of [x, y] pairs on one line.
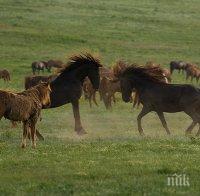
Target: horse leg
[[78, 127], [14, 124], [25, 132], [39, 135], [94, 98], [90, 100], [139, 119], [33, 134], [163, 121], [189, 129], [198, 133], [114, 99]]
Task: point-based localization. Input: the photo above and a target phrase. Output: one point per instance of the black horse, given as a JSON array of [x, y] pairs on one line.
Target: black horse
[[155, 95], [67, 87]]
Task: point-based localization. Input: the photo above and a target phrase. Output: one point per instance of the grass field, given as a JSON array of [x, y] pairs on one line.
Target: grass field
[[112, 159]]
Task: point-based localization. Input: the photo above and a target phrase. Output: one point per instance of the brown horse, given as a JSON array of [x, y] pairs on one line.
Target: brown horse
[[31, 81], [4, 74], [55, 63], [89, 92], [192, 71], [25, 107], [155, 95], [165, 71], [108, 88]]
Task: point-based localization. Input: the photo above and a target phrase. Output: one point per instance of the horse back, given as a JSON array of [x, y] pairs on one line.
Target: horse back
[[169, 97]]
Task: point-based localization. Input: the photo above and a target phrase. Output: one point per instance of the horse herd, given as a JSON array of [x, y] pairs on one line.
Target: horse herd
[[148, 85]]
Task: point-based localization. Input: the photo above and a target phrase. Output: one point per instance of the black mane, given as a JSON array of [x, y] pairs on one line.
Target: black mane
[[153, 74], [79, 60]]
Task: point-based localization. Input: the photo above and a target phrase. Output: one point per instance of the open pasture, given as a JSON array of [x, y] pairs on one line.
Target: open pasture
[[112, 158]]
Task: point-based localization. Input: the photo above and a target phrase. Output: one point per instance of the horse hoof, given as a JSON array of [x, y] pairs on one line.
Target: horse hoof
[[142, 134], [23, 145], [81, 132]]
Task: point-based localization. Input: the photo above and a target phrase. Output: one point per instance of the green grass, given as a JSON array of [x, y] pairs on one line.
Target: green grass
[[112, 159]]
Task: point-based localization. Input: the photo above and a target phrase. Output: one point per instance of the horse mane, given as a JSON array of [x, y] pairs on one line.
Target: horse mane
[[77, 60], [38, 91], [153, 74], [119, 67]]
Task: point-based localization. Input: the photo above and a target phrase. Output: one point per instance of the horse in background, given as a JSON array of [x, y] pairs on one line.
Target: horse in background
[[166, 73], [67, 87], [89, 92], [178, 65], [156, 95], [25, 107], [55, 63], [39, 66], [5, 75], [31, 81], [192, 71], [108, 87]]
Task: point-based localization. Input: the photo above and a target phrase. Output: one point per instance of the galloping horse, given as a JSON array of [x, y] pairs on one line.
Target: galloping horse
[[67, 87], [155, 95]]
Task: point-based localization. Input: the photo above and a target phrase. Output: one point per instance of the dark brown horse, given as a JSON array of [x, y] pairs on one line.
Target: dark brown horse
[[54, 63], [155, 95], [67, 87]]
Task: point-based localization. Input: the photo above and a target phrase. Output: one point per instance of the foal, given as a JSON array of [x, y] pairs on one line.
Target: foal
[[26, 107]]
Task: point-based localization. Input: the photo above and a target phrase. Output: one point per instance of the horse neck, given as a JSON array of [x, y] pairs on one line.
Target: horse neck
[[77, 74], [140, 84]]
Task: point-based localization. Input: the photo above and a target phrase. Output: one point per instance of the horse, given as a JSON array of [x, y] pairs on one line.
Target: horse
[[55, 63], [67, 87], [89, 92], [156, 95], [39, 66], [108, 88], [31, 81], [179, 65], [191, 71], [165, 71], [25, 107], [5, 75]]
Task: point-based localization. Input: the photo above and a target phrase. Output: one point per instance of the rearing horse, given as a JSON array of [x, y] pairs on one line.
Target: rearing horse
[[67, 87]]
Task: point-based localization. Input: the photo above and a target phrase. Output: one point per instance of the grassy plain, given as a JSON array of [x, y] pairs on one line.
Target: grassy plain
[[112, 159]]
